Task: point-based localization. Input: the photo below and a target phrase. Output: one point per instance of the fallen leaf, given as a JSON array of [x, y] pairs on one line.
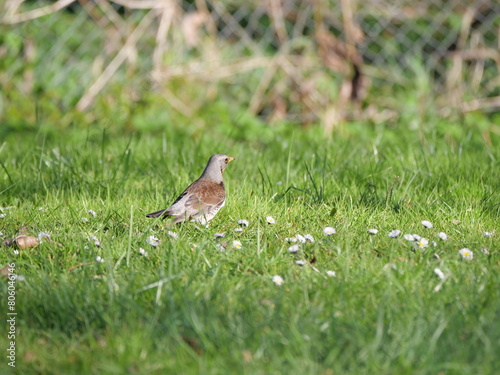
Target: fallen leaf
[[25, 242]]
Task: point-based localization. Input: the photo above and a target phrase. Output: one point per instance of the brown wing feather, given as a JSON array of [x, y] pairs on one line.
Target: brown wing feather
[[203, 197]]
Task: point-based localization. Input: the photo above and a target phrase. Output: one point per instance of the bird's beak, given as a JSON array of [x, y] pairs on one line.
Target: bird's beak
[[230, 159]]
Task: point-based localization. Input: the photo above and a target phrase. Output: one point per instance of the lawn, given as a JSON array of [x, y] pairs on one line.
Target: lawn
[[89, 301]]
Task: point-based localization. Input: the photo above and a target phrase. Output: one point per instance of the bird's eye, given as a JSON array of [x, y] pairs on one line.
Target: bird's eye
[[226, 160]]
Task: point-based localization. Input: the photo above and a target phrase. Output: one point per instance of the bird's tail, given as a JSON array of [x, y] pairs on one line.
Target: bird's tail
[[163, 213]]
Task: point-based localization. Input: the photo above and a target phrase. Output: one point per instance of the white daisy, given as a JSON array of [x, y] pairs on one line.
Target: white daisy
[[294, 248], [1, 234], [439, 273], [443, 236], [329, 231], [99, 259], [220, 247], [427, 224], [96, 240], [153, 241], [85, 220], [485, 251], [331, 273], [270, 220], [237, 244], [416, 237], [277, 280], [291, 239], [92, 212], [373, 231], [466, 253], [238, 230], [219, 235], [173, 234], [43, 235], [422, 243], [309, 238], [409, 237], [143, 252], [394, 233], [488, 234], [2, 216], [16, 252], [300, 238], [243, 222], [300, 262]]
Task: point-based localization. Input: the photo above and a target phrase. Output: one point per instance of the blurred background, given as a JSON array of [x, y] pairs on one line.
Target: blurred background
[[145, 64]]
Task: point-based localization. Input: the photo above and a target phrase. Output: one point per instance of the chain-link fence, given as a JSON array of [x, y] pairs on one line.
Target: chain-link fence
[[299, 60]]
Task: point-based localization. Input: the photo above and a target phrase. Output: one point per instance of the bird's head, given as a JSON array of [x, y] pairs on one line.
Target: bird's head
[[221, 161]]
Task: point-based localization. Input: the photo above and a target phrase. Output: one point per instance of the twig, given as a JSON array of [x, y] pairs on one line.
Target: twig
[[36, 13], [490, 104], [113, 66], [142, 4], [78, 266], [162, 33]]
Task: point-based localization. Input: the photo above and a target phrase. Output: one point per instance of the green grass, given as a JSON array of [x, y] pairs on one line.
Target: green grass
[[190, 308]]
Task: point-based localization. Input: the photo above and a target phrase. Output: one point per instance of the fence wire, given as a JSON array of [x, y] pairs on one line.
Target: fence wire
[[299, 60]]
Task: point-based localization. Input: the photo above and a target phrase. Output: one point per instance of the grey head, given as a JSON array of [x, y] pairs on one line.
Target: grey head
[[215, 167]]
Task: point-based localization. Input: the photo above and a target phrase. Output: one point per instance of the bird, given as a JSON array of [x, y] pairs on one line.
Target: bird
[[201, 200]]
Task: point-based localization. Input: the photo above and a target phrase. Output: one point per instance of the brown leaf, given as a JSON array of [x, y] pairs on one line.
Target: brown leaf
[[5, 271], [9, 241], [25, 242]]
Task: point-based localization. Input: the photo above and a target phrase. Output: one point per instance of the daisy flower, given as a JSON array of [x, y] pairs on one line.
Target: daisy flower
[[427, 224], [220, 247], [238, 230], [294, 248], [443, 236], [488, 234], [331, 273], [394, 233], [291, 239], [92, 212], [237, 244], [300, 238], [439, 273], [2, 216], [143, 252], [243, 222], [219, 235], [85, 220], [300, 263], [99, 259], [16, 252], [466, 253], [173, 234], [277, 280], [416, 237], [329, 231], [309, 238], [485, 251], [270, 220], [153, 241], [372, 231], [43, 235], [409, 237], [422, 243], [96, 240]]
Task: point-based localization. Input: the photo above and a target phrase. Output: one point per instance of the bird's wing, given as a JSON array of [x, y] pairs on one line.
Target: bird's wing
[[199, 199]]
